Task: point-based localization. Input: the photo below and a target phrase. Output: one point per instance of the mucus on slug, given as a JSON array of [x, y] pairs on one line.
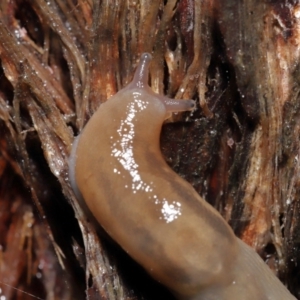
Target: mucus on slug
[[151, 212]]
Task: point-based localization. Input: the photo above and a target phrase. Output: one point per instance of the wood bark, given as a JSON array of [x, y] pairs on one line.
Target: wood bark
[[240, 149]]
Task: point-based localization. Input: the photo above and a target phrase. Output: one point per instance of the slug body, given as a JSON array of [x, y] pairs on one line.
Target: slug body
[[155, 215]]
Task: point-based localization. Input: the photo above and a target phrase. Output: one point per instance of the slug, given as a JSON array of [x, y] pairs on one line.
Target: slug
[[152, 213]]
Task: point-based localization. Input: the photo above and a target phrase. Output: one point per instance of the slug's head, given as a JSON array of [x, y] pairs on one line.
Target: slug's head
[[140, 81]]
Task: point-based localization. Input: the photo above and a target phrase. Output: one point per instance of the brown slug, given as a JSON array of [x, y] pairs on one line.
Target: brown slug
[[153, 214]]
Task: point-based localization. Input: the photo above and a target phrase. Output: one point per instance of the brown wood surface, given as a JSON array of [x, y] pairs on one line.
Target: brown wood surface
[[240, 149]]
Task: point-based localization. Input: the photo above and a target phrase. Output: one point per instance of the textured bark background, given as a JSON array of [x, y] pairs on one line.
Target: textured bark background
[[240, 149]]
